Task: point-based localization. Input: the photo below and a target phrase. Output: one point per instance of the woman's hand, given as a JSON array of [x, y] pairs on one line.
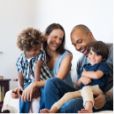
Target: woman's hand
[[30, 92], [100, 101]]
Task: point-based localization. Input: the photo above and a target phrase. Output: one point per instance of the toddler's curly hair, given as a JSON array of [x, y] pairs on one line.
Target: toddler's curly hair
[[29, 38]]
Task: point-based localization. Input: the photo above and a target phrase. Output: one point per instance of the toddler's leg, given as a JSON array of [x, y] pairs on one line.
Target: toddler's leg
[[87, 94], [96, 90], [88, 99], [24, 106]]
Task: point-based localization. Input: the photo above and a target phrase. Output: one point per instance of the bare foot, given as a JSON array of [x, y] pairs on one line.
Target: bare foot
[[84, 111], [45, 111]]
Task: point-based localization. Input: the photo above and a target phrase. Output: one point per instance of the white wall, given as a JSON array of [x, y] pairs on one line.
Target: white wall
[[96, 14], [14, 16], [18, 14]]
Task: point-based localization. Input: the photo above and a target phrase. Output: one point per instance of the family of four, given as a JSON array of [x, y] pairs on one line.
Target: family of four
[[44, 70]]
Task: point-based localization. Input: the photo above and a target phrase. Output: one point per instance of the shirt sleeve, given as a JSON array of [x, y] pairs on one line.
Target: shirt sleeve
[[19, 64], [104, 68], [41, 56]]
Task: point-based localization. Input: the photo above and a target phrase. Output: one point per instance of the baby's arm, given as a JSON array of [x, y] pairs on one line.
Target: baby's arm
[[70, 95], [93, 74]]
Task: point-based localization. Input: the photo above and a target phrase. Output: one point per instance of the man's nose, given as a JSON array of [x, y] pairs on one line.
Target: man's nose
[[77, 47]]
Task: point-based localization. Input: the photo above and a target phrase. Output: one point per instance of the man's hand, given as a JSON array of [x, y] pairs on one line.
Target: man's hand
[[100, 101]]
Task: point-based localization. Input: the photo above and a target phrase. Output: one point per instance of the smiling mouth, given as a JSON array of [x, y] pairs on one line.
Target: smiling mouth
[[84, 51]]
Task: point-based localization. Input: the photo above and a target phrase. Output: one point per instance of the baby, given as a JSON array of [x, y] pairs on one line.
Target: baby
[[93, 79]]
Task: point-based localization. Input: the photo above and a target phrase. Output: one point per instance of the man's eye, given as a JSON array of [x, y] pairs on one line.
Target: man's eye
[[79, 41]]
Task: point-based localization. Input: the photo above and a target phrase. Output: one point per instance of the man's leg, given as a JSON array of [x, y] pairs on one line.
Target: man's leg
[[54, 90]]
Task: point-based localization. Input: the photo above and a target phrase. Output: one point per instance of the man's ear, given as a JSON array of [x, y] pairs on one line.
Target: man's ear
[[90, 35]]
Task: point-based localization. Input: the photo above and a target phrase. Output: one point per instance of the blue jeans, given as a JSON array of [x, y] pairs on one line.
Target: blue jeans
[[24, 106], [54, 90]]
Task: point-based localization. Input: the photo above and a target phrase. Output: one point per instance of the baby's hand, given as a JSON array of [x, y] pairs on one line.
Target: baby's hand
[[85, 80]]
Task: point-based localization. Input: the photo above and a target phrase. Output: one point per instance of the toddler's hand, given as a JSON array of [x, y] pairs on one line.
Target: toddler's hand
[[15, 93]]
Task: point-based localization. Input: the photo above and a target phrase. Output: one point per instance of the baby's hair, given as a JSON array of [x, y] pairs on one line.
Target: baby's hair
[[100, 48], [29, 38]]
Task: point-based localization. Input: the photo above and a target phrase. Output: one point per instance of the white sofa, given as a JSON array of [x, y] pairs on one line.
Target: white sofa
[[12, 104]]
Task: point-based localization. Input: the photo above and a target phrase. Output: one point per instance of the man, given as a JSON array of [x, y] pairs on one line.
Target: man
[[55, 88]]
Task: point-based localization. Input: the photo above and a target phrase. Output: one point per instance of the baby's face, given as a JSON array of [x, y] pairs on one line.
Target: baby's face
[[33, 52], [94, 58]]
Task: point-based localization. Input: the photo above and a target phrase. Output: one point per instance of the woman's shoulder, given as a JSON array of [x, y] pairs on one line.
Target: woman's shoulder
[[67, 53]]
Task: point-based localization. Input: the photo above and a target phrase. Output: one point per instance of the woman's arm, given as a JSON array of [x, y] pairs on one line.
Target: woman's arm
[[37, 70], [65, 67]]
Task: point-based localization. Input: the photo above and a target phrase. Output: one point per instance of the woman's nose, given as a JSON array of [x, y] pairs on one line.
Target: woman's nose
[[58, 41]]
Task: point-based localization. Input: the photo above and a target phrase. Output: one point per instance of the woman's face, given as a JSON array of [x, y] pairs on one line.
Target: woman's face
[[54, 39]]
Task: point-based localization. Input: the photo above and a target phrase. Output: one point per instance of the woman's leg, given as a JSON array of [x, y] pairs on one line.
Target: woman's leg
[[67, 96], [54, 90], [72, 106]]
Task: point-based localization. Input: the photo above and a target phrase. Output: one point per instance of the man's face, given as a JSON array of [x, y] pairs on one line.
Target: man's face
[[80, 40]]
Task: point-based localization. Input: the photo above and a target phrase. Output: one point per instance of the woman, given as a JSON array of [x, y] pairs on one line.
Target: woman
[[57, 59]]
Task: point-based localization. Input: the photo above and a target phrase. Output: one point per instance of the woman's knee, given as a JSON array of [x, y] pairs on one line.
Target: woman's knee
[[52, 81]]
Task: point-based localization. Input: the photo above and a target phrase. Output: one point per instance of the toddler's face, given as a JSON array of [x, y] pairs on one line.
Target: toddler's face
[[94, 58], [33, 52]]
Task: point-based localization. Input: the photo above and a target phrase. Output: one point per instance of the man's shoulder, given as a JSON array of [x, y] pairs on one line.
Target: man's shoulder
[[110, 57], [110, 45]]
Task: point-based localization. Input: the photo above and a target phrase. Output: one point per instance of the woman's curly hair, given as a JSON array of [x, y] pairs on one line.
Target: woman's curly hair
[[29, 38]]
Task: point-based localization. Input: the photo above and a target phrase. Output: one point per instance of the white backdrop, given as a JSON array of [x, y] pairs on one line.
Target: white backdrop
[[96, 14], [18, 14]]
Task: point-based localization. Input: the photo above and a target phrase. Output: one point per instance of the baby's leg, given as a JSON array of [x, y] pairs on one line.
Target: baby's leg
[[88, 100], [70, 95], [87, 94], [96, 90]]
